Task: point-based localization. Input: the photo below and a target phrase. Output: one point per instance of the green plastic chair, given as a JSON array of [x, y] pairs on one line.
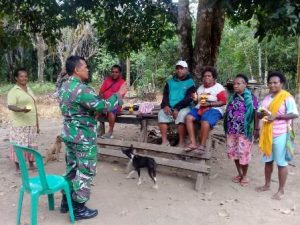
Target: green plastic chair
[[43, 184]]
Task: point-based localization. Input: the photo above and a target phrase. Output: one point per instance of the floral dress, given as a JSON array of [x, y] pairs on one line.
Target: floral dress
[[238, 145]]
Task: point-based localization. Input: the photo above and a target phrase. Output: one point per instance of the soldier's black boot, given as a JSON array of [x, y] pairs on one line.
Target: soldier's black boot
[[64, 208], [81, 212]]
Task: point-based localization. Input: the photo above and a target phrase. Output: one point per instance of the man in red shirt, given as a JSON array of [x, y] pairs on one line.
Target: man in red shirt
[[110, 86]]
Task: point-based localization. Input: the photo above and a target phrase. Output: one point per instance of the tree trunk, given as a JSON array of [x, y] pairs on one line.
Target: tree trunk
[[40, 47], [184, 29], [266, 68], [14, 59], [209, 27], [259, 64], [128, 71], [248, 61]]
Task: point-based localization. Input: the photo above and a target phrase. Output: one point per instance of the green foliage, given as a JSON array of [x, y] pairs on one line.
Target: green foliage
[[125, 26], [4, 88], [145, 30], [44, 88], [154, 66], [147, 66], [34, 16], [273, 17], [37, 88], [239, 51], [102, 64]]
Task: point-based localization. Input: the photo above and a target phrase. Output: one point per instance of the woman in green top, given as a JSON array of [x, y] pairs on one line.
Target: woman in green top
[[23, 116]]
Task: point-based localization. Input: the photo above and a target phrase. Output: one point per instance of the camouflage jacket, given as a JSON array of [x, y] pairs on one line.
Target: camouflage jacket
[[79, 104]]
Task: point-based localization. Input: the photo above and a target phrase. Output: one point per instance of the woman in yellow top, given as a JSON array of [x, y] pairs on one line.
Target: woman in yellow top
[[23, 116]]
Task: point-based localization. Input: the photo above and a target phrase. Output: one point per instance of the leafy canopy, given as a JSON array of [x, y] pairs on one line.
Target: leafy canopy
[[123, 25], [126, 25], [280, 17]]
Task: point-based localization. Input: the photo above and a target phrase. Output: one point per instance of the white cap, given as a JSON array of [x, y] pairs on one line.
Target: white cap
[[182, 63]]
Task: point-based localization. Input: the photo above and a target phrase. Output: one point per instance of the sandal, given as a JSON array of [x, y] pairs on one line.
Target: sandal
[[237, 179], [107, 136], [190, 148], [166, 144], [200, 150]]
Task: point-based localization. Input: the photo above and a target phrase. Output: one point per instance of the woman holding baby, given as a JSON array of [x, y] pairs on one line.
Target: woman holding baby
[[23, 117]]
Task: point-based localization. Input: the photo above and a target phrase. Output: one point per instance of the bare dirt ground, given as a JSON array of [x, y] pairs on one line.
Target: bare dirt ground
[[121, 201]]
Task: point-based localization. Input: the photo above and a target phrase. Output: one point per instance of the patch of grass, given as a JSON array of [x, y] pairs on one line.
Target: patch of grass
[[43, 88], [37, 88], [4, 88]]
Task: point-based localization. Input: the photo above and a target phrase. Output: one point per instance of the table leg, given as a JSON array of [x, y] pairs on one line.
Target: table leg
[[101, 129], [144, 131]]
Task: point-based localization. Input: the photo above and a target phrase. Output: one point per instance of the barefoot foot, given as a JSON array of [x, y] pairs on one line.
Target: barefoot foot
[[278, 196], [139, 182], [244, 182], [262, 188]]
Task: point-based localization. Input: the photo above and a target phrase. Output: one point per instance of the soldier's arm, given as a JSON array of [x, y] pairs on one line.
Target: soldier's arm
[[90, 100]]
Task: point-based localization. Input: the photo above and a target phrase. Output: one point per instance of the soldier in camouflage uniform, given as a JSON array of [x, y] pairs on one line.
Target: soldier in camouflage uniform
[[78, 104]]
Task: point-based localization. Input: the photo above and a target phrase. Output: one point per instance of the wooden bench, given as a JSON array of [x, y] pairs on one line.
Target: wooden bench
[[217, 139], [189, 162], [167, 150]]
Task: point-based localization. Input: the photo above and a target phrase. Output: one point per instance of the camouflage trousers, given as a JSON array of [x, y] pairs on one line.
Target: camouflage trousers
[[81, 163]]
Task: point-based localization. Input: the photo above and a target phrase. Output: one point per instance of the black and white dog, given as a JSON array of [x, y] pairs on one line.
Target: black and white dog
[[139, 162]]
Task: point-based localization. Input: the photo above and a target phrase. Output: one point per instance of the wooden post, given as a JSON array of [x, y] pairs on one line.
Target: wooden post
[[199, 181], [201, 178], [144, 131], [209, 144]]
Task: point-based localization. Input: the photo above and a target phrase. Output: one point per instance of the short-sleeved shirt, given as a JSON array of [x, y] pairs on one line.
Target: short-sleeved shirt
[[214, 93], [235, 112], [20, 98], [289, 106]]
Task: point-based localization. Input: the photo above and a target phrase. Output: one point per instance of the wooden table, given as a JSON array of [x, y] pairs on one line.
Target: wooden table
[[144, 120]]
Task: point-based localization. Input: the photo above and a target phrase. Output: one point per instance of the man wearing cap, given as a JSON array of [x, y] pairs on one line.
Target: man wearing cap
[[176, 102]]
